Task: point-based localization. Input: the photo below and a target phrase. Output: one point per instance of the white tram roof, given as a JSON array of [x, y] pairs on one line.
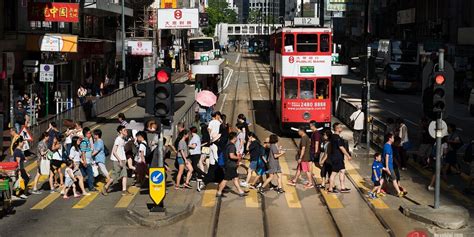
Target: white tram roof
[[304, 29]]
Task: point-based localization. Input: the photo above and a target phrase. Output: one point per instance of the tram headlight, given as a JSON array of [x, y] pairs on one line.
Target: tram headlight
[[306, 116]]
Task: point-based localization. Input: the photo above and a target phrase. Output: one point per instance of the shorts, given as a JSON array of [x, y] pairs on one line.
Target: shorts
[[102, 169], [397, 173], [180, 160], [68, 183], [315, 157], [56, 164], [326, 170], [376, 183], [253, 165], [390, 177], [337, 165], [304, 166], [230, 173], [119, 171]]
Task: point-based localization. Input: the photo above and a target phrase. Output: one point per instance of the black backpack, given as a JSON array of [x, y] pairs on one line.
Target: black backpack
[[149, 153]]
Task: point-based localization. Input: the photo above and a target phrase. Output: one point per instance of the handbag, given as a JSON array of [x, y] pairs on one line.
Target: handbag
[[205, 150], [45, 166], [95, 170]]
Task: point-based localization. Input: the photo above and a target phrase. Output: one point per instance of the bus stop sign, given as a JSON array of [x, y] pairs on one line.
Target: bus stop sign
[[157, 184]]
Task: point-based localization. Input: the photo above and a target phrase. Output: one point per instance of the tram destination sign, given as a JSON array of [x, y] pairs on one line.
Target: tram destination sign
[[306, 69]]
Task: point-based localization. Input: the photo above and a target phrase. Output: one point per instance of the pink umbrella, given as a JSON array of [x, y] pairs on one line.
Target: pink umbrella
[[206, 98]]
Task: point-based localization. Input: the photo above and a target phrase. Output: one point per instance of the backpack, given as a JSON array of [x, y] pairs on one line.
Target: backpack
[[149, 153]]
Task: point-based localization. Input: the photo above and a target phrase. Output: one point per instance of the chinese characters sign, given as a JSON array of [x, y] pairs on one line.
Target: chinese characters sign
[[178, 18], [140, 47], [53, 11]]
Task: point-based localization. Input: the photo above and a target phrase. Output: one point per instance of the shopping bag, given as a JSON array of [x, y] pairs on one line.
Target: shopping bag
[[95, 170], [44, 166]]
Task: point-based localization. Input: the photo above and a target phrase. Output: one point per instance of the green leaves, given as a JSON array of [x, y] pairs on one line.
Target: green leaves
[[219, 12]]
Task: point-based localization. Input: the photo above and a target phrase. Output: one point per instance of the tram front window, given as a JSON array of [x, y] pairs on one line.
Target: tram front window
[[289, 43], [307, 89], [322, 88], [291, 89]]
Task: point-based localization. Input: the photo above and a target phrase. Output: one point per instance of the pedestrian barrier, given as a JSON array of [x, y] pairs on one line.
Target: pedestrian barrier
[[89, 110], [187, 118]]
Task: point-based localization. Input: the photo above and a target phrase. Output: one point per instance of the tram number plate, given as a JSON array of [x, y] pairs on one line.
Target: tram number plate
[[307, 69]]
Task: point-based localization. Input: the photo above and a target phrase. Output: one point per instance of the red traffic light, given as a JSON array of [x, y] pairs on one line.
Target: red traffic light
[[439, 79], [162, 76]]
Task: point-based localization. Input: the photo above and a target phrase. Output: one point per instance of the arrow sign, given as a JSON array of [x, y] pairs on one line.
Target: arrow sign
[[157, 184]]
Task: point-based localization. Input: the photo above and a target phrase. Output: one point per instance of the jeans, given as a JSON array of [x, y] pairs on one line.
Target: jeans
[[357, 137], [87, 171]]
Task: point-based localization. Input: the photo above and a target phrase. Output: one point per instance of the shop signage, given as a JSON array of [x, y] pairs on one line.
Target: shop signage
[[140, 47], [178, 18], [406, 16], [53, 11], [168, 3], [52, 43], [157, 184], [46, 73]]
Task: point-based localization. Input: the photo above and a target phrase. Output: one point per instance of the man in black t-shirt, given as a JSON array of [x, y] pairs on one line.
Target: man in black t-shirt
[[230, 169], [336, 156]]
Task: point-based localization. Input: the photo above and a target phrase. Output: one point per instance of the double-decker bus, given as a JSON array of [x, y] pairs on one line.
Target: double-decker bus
[[300, 88], [199, 46]]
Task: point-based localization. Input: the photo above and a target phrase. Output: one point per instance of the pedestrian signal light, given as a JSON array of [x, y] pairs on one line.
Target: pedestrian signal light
[[439, 92]]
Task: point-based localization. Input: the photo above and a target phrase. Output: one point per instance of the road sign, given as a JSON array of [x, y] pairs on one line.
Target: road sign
[[432, 129], [26, 134], [204, 57], [46, 73], [157, 184]]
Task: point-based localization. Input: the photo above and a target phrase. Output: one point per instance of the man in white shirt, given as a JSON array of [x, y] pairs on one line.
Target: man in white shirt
[[119, 159], [215, 123], [358, 118]]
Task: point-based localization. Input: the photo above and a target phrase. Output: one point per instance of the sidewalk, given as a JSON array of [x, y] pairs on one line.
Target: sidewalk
[[414, 182]]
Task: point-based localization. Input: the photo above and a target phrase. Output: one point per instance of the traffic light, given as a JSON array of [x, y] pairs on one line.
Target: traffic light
[[439, 92], [148, 102], [163, 93]]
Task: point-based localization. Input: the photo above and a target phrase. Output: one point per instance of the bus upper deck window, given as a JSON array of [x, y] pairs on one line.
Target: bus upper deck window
[[307, 42], [291, 89], [324, 46], [307, 89], [289, 43], [322, 88]]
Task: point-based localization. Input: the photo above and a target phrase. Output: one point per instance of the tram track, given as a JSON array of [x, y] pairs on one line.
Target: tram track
[[261, 198], [380, 219]]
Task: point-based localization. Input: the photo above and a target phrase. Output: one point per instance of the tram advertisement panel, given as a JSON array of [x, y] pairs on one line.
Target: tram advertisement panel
[[306, 66], [304, 111]]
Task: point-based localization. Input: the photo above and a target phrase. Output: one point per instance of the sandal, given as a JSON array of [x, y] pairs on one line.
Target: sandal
[[291, 183], [188, 186]]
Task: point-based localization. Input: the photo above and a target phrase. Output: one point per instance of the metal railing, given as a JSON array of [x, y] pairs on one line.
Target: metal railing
[[187, 118]]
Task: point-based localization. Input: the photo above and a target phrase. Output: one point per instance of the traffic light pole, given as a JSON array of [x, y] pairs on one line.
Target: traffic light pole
[[367, 81], [439, 135]]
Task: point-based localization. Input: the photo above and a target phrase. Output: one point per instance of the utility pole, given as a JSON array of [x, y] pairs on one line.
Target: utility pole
[[439, 135], [367, 83], [124, 76]]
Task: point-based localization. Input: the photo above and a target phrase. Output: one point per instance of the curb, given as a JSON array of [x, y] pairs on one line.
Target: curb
[[159, 222]]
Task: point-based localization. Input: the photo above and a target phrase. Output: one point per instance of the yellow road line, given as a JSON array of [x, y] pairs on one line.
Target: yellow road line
[[377, 203], [291, 195], [86, 200], [209, 198], [126, 200], [46, 201], [252, 200], [331, 200], [31, 166], [41, 179]]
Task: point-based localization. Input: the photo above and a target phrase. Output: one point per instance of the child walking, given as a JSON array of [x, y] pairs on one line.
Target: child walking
[[70, 180], [377, 168]]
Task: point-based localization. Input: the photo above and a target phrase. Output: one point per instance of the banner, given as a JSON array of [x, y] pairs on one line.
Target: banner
[[178, 18], [53, 11], [52, 43]]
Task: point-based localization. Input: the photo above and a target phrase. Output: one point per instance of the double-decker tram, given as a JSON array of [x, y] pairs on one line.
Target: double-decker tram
[[300, 87]]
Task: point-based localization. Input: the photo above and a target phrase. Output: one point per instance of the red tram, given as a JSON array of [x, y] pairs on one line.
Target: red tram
[[300, 87]]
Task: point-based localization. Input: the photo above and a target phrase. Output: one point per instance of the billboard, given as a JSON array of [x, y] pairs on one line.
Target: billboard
[[52, 43], [140, 47], [178, 18], [53, 11]]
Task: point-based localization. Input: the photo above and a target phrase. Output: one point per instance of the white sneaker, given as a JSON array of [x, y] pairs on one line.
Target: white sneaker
[[243, 184], [431, 188], [23, 196]]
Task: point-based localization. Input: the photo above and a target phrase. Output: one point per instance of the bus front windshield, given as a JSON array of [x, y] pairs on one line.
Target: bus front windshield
[[404, 51], [201, 45]]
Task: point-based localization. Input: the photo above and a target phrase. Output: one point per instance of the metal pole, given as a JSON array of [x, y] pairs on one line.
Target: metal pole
[[439, 135], [123, 43], [47, 98], [12, 121], [369, 51]]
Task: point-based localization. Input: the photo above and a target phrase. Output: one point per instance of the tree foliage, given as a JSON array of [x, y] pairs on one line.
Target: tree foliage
[[218, 12]]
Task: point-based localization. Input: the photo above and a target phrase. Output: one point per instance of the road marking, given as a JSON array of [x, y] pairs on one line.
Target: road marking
[[125, 201], [31, 166], [46, 201], [331, 199], [41, 179], [390, 101], [377, 203], [237, 59], [227, 79], [209, 198], [252, 200], [291, 195], [86, 200], [223, 102]]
